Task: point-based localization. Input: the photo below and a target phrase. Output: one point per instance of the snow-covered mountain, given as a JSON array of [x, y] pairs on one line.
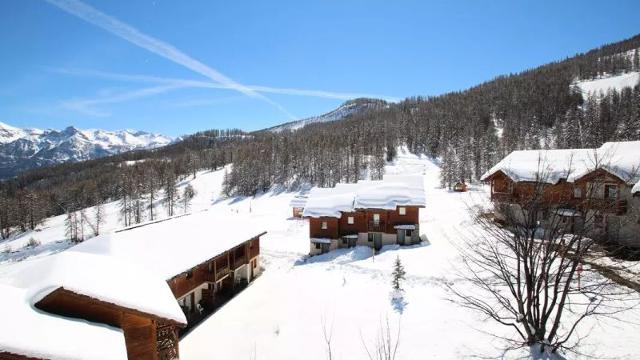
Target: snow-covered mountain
[[346, 109], [23, 149]]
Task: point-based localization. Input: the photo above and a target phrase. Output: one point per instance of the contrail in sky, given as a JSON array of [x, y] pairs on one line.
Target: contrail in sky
[[168, 51], [207, 84]]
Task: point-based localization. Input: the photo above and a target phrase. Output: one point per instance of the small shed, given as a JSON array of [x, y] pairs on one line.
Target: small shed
[[460, 186]]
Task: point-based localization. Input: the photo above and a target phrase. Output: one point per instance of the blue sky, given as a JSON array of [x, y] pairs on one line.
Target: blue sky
[[176, 67]]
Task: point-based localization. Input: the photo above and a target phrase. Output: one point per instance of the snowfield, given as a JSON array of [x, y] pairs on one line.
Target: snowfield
[[617, 82], [344, 294]]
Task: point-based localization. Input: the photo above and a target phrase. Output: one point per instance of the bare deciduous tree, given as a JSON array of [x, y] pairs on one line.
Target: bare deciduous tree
[[531, 275], [385, 345], [327, 335]]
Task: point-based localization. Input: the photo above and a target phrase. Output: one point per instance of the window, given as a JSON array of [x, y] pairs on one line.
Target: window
[[376, 218], [345, 241], [318, 246], [577, 192], [408, 233], [402, 210], [350, 220], [370, 237], [324, 225], [611, 192], [595, 190]]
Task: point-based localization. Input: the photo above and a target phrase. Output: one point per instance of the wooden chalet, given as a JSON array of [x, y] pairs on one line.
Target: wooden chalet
[[150, 281], [369, 213], [576, 185]]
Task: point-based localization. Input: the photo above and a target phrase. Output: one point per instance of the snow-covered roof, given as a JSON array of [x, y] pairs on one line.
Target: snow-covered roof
[[321, 240], [30, 332], [621, 159], [169, 248], [389, 193], [104, 278], [298, 202]]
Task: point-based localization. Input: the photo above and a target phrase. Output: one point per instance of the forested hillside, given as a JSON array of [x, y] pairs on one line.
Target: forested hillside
[[469, 130]]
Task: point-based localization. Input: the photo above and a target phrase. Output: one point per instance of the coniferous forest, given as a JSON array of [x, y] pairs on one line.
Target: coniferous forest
[[468, 131]]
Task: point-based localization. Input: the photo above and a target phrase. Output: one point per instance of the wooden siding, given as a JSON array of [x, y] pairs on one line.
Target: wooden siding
[[363, 222], [316, 231], [10, 356], [215, 268], [562, 194], [139, 329]]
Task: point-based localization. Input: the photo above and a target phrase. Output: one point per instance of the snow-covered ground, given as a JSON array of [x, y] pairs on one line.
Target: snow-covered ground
[[617, 82], [281, 314]]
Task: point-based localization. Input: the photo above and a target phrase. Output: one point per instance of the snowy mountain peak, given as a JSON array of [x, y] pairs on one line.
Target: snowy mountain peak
[[348, 108], [24, 149]]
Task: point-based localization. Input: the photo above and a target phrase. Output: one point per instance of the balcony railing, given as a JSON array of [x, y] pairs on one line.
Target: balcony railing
[[618, 207], [239, 262], [377, 226], [222, 272]]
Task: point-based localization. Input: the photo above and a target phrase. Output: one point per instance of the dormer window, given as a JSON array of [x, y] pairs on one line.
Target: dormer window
[[402, 210]]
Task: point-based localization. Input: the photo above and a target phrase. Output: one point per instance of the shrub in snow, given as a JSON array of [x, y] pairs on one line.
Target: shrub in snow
[[32, 243]]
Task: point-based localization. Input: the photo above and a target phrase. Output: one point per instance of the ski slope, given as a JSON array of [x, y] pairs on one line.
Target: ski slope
[[617, 82]]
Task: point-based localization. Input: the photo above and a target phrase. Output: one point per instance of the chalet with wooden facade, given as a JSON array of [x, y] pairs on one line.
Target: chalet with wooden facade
[[592, 185], [368, 213], [136, 287]]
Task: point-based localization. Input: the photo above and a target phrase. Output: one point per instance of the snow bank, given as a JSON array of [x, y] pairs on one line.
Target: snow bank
[[617, 83], [173, 246], [104, 278], [618, 158], [389, 193], [33, 333]]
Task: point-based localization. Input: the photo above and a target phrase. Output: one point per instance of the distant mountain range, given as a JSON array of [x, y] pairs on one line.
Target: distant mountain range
[[23, 149], [348, 108]]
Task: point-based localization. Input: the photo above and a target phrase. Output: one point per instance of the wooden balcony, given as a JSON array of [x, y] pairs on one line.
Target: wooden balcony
[[239, 262], [610, 206], [379, 226], [503, 197], [220, 273]]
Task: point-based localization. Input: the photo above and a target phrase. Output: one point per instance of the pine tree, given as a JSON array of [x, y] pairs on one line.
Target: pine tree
[[187, 195], [398, 275], [98, 218], [171, 195]]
